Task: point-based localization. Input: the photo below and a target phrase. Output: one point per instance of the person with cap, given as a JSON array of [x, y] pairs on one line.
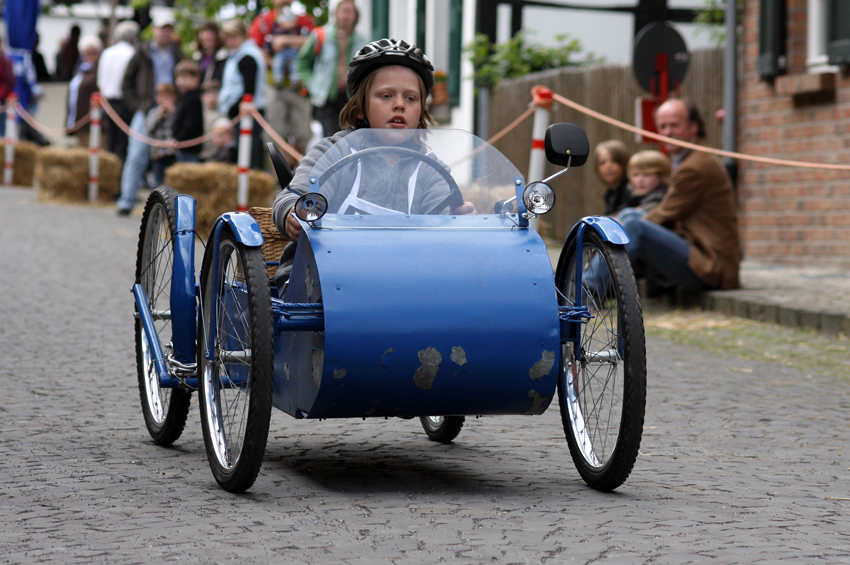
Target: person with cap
[[389, 81], [152, 64]]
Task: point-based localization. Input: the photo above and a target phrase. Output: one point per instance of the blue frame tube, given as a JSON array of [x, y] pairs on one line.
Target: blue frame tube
[[150, 332]]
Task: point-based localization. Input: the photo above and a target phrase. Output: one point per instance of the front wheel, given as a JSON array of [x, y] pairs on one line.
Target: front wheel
[[165, 409], [235, 362], [602, 385], [442, 428]]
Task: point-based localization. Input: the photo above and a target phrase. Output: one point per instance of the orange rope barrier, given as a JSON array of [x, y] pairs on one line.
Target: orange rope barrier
[[273, 134], [720, 152], [151, 141], [36, 125]]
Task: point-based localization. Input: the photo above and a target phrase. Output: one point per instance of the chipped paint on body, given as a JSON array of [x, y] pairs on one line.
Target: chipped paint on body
[[458, 355], [427, 371], [537, 403], [542, 367]]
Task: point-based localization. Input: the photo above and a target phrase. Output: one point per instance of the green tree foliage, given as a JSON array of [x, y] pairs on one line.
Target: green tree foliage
[[518, 57], [712, 16]]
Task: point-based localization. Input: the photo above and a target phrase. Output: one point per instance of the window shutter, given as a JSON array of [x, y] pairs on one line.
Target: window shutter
[[838, 38], [772, 38], [455, 49], [380, 19]]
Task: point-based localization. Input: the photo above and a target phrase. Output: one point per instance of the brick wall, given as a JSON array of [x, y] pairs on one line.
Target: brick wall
[[793, 215]]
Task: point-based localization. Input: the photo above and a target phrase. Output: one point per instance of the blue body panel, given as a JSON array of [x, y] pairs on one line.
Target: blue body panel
[[444, 316]]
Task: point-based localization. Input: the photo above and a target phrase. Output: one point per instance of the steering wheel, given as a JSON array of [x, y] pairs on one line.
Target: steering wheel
[[454, 198]]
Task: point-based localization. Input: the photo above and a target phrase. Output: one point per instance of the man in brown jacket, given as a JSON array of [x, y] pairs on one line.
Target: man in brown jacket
[[691, 237]]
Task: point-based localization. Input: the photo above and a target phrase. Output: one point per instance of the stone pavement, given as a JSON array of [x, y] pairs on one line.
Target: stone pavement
[[742, 461]]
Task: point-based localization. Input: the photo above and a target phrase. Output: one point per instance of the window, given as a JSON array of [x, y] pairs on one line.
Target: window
[[772, 38], [838, 32]]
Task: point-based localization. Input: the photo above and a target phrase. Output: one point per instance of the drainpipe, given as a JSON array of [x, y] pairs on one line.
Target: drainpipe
[[730, 88]]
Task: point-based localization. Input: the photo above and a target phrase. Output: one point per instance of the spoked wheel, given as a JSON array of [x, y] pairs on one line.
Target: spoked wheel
[[442, 428], [602, 385], [235, 361], [165, 409]]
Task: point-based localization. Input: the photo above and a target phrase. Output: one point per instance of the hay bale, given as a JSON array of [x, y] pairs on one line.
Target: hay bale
[[63, 174], [213, 185], [26, 156]]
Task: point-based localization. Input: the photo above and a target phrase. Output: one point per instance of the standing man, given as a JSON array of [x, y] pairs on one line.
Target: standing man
[[151, 65], [280, 33], [110, 74], [691, 237], [323, 64]]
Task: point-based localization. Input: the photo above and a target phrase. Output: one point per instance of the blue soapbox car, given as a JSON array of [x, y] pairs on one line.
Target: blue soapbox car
[[396, 306]]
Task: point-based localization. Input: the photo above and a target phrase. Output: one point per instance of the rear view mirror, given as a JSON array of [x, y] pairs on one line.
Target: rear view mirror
[[564, 141]]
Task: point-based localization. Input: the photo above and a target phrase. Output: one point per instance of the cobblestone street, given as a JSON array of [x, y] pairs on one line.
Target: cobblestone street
[[742, 461]]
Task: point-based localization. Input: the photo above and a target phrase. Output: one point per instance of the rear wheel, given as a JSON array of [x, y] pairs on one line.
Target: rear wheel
[[236, 362], [442, 428], [164, 409], [602, 385]]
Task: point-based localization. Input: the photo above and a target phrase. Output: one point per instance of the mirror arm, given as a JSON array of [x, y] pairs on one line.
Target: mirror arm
[[559, 173]]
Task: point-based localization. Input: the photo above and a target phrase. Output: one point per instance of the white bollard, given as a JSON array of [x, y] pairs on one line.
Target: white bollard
[[243, 159], [542, 100], [11, 139], [94, 146]]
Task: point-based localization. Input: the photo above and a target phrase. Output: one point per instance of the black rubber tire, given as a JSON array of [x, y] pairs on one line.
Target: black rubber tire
[[442, 428], [603, 395], [235, 418], [164, 409]]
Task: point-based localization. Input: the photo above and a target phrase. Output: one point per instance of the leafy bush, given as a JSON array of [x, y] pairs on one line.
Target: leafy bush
[[518, 57]]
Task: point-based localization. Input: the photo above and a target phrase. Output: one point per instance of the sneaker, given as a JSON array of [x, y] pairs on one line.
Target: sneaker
[[124, 211]]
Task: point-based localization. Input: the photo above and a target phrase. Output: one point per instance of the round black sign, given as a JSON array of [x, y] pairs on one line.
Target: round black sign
[[659, 38]]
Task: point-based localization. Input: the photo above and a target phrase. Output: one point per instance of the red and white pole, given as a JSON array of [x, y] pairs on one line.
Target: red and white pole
[[243, 159], [542, 100], [11, 139], [94, 146]]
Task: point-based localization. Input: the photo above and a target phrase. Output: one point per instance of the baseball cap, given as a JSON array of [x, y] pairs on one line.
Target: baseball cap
[[162, 20]]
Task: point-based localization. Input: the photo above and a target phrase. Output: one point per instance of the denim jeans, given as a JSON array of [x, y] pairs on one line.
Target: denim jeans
[[136, 165], [184, 156], [657, 246]]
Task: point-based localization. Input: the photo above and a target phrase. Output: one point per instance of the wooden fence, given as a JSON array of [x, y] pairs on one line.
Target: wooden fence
[[610, 90]]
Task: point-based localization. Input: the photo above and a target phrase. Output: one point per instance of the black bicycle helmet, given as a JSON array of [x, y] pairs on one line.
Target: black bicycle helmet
[[389, 52]]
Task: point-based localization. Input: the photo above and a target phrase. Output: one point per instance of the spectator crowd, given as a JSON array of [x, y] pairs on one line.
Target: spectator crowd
[[176, 93]]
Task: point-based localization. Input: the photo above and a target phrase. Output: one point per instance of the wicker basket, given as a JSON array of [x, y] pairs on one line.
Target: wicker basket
[[273, 240]]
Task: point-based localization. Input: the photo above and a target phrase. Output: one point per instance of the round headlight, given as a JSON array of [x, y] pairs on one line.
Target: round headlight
[[311, 206], [538, 198]]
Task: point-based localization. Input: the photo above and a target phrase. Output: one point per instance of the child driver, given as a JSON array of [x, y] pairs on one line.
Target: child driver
[[389, 81]]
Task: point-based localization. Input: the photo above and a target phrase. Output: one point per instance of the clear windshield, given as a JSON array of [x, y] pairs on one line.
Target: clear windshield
[[387, 172]]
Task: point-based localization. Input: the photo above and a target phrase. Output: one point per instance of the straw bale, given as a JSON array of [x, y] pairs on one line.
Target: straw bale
[[213, 185], [26, 156], [63, 174]]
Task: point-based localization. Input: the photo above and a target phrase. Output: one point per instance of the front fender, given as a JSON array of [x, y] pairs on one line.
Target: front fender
[[610, 230], [244, 227]]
